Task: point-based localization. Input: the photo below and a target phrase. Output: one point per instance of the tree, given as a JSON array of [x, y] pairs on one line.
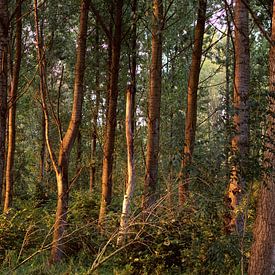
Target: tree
[[109, 139], [4, 38], [12, 109], [130, 167], [191, 111], [154, 98], [61, 165], [262, 260], [240, 140]]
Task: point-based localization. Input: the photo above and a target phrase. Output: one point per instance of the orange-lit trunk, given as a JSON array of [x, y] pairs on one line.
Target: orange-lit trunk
[[133, 57], [61, 165], [109, 139], [262, 260], [191, 110], [12, 109], [154, 98], [4, 37], [240, 140]]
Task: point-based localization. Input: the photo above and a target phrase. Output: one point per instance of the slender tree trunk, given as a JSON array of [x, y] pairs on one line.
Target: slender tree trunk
[[4, 38], [154, 98], [62, 164], [109, 141], [133, 58], [262, 260], [95, 113], [240, 140], [191, 111], [12, 109], [130, 168], [61, 168]]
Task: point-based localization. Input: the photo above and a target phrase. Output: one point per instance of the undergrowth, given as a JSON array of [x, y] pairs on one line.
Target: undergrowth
[[162, 241]]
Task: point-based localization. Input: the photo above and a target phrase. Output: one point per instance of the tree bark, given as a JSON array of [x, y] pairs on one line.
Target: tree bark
[[62, 164], [130, 167], [109, 140], [12, 109], [4, 38], [262, 260], [191, 110], [240, 140], [133, 58], [154, 100], [61, 168]]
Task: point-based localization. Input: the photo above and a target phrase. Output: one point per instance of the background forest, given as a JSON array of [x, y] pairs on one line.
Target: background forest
[[137, 137]]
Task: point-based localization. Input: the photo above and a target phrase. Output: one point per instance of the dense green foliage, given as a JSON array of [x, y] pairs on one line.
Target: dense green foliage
[[190, 241]]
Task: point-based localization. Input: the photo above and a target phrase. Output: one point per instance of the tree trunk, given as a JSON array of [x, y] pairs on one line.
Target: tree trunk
[[262, 260], [240, 140], [154, 98], [69, 139], [4, 37], [95, 112], [191, 110], [12, 109], [109, 140], [61, 165], [133, 58], [130, 167]]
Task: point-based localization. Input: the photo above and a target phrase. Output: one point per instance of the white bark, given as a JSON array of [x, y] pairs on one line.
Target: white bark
[[130, 169]]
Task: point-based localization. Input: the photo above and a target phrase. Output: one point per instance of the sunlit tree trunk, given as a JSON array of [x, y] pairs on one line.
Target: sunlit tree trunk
[[130, 167], [191, 110], [12, 109], [69, 138], [133, 57], [240, 140], [61, 164], [109, 140], [4, 37], [262, 260], [154, 98]]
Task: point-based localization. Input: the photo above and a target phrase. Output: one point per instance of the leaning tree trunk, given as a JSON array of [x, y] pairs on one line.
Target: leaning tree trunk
[[262, 260], [4, 37], [240, 140], [12, 109], [61, 168], [61, 165], [109, 140], [154, 98], [191, 111]]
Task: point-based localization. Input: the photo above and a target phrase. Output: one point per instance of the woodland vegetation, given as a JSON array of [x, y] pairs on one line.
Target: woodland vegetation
[[137, 137]]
